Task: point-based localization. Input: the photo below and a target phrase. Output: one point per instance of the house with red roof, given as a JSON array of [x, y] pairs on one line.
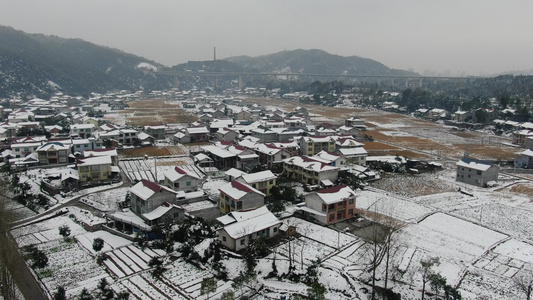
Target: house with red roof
[[238, 196], [330, 205], [182, 179], [147, 196]]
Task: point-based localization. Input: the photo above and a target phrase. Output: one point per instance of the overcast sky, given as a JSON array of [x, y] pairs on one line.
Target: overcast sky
[[474, 36]]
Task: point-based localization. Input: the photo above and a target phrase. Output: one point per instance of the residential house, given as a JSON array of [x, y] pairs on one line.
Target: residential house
[[82, 130], [157, 131], [264, 134], [354, 155], [355, 122], [310, 171], [147, 196], [222, 158], [520, 136], [311, 145], [347, 130], [240, 229], [330, 205], [94, 169], [525, 160], [237, 196], [226, 134], [198, 134], [263, 181], [164, 214], [270, 155], [331, 158], [247, 160], [111, 152], [53, 153], [476, 172], [322, 131], [462, 116], [182, 179]]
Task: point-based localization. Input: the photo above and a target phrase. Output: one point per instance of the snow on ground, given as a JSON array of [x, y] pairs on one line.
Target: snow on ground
[[211, 187], [391, 205], [106, 201], [111, 241]]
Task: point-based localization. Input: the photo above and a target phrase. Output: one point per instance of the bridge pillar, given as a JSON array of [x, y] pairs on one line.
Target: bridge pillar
[[241, 84], [392, 82], [406, 82], [176, 82], [420, 82]]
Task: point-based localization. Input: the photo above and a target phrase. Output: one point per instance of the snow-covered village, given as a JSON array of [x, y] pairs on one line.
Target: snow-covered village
[[183, 195]]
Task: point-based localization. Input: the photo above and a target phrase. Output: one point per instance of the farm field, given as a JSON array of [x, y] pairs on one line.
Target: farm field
[[431, 138], [483, 239]]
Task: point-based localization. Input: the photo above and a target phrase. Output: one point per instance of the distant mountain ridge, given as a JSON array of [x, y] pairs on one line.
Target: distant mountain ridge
[[38, 65], [314, 61]]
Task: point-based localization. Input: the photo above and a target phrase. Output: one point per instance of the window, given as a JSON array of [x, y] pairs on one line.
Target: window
[[478, 172], [350, 201], [239, 204], [323, 207], [271, 182], [332, 217], [350, 212], [243, 242], [275, 229], [223, 238], [188, 183]]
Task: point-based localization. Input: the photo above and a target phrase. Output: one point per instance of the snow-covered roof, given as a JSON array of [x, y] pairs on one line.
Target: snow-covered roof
[[335, 194], [309, 163], [53, 146], [176, 173], [234, 172], [197, 130], [327, 156], [357, 151], [527, 152], [259, 176], [101, 152], [474, 164], [145, 189], [93, 161], [129, 217], [236, 190], [246, 223], [159, 211], [218, 151]]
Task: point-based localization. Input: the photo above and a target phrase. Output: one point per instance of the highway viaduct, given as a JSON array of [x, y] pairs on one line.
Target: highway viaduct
[[393, 79]]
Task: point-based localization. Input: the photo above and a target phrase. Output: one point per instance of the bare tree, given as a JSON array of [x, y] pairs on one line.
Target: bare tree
[[8, 252], [524, 280], [427, 273], [382, 242]]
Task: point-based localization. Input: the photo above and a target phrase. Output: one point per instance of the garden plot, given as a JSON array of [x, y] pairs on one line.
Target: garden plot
[[69, 266], [138, 169], [45, 231], [321, 234], [514, 221], [185, 277], [311, 251], [391, 205], [483, 284], [106, 201], [129, 260], [111, 241], [450, 238]]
